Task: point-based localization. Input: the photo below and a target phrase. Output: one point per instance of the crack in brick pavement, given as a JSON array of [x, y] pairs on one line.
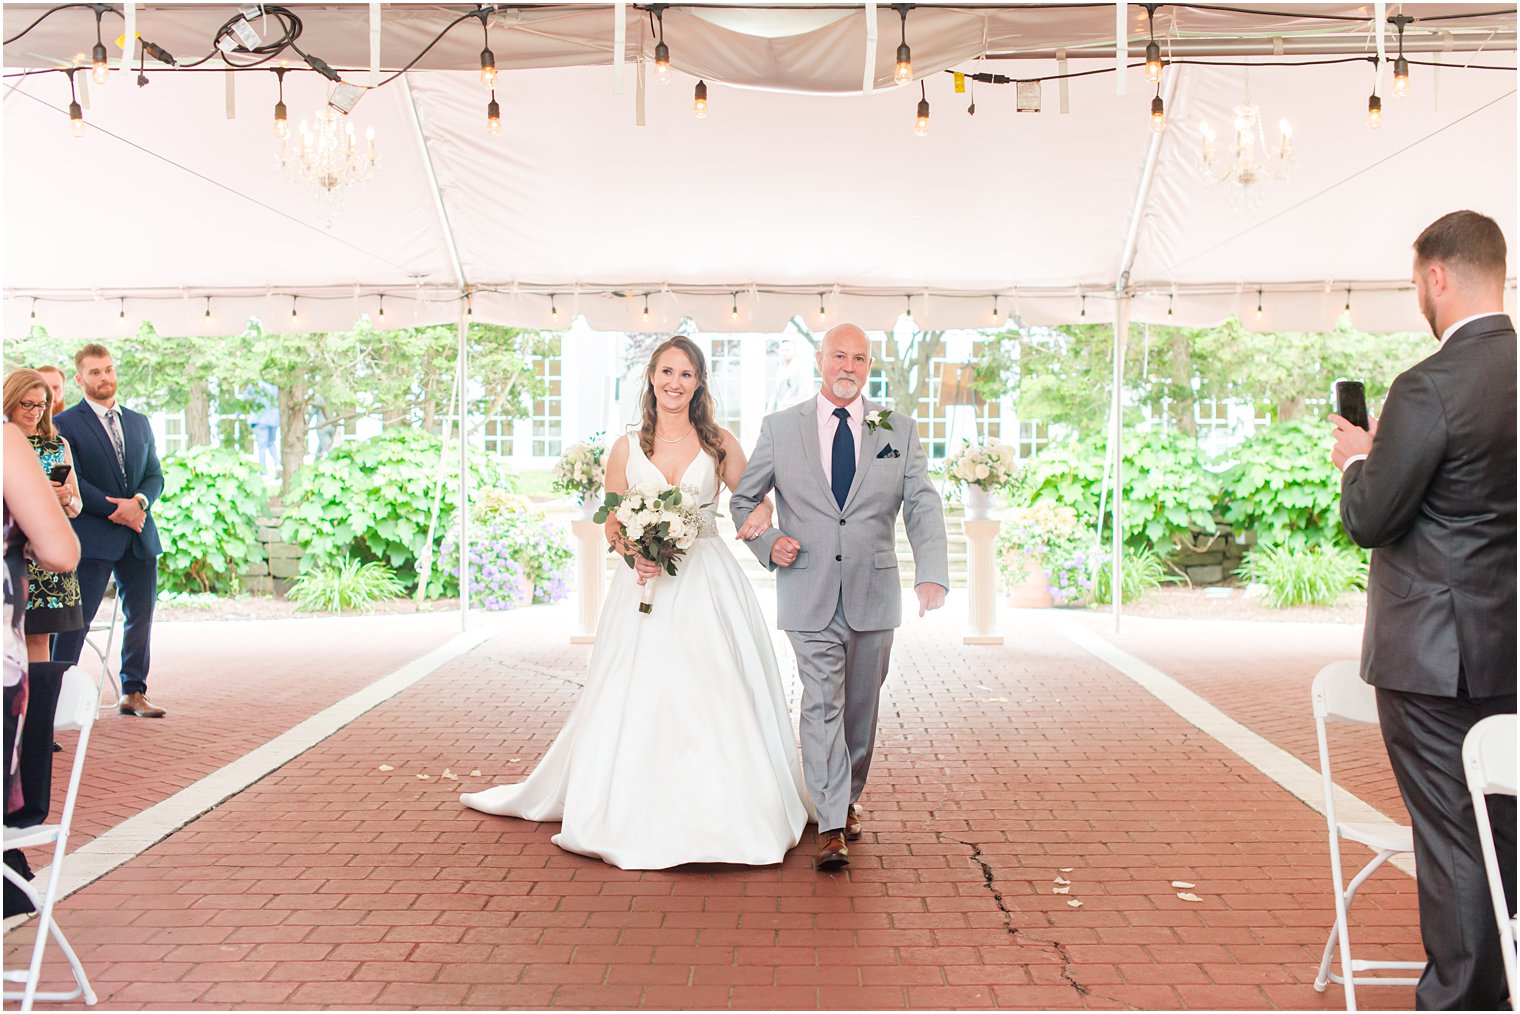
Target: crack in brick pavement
[[990, 879]]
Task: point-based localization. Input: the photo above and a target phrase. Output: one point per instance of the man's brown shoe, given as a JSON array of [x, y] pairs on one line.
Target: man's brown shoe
[[832, 852], [137, 704], [852, 823]]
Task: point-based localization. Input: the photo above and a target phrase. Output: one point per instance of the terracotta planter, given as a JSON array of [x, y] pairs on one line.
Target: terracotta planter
[[1032, 592]]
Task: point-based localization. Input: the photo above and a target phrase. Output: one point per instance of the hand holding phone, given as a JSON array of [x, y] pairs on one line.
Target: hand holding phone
[[1348, 399], [60, 473]]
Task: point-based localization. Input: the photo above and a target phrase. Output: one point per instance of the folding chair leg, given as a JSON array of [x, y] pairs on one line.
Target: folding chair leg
[[46, 926], [1322, 979]]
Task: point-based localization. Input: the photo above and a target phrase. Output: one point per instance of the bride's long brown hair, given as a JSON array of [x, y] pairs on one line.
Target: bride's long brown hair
[[700, 410]]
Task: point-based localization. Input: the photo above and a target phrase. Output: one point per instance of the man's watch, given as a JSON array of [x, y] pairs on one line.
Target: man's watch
[[142, 501]]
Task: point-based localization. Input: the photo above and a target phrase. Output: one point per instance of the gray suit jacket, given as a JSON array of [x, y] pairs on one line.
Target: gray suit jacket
[[1435, 500], [850, 551]]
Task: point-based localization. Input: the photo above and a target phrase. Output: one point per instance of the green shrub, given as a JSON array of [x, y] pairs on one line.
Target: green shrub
[[347, 584], [1166, 490], [1143, 570], [513, 548], [371, 500], [1283, 486], [1296, 574], [208, 519]]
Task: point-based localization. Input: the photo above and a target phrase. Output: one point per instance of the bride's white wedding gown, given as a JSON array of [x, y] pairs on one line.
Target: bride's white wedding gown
[[680, 749]]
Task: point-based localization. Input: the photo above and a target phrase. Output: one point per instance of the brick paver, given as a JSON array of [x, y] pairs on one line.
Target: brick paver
[[1261, 678], [229, 687], [999, 770]]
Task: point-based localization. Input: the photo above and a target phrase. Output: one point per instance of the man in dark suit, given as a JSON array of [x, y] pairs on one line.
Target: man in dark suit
[[119, 478], [1431, 489]]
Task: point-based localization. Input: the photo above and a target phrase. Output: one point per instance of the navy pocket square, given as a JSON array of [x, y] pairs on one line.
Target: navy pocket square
[[889, 452]]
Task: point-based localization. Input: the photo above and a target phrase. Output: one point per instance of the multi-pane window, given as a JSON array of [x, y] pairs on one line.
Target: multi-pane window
[[175, 437], [876, 383], [726, 377], [1032, 437], [1211, 413], [498, 439], [545, 421]]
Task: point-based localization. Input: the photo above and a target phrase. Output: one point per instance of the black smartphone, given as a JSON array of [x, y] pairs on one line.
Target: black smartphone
[[60, 473], [1348, 399]]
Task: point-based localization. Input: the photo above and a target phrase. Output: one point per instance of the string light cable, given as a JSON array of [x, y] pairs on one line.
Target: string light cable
[[291, 29]]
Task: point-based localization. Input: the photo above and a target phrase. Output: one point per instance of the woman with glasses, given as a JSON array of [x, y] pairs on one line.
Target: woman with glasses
[[52, 599]]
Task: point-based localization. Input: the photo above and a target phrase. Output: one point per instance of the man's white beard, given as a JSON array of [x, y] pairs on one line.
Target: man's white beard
[[845, 388]]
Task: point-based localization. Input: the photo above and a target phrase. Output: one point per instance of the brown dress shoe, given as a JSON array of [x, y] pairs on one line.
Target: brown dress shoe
[[138, 704], [832, 852], [852, 823]]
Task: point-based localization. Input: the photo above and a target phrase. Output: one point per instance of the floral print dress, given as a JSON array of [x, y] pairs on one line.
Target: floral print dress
[[52, 600]]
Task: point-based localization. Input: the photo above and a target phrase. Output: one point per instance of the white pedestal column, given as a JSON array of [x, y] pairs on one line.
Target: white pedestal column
[[981, 582], [590, 578]]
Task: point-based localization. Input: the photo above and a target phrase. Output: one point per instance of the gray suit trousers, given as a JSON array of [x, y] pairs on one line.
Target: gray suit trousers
[[842, 672]]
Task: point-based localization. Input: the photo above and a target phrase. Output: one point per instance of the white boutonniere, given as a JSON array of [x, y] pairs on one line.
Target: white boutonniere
[[881, 417]]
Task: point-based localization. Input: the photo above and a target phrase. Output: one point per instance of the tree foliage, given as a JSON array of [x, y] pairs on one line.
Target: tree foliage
[[1064, 376]]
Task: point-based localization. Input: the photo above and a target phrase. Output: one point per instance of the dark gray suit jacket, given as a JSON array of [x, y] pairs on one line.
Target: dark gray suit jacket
[[1435, 501]]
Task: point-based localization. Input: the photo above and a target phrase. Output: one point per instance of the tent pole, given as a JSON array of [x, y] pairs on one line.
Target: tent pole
[[464, 470], [1116, 445], [1122, 296], [462, 380]]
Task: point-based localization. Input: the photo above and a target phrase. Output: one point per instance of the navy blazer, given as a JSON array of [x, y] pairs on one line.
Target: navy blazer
[[95, 467], [1435, 501]]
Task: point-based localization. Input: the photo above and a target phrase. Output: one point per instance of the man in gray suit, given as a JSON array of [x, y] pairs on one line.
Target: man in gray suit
[[842, 468], [1431, 488]]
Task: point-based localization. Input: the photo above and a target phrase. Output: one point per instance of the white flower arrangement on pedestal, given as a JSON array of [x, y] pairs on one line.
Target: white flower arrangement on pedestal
[[988, 468], [582, 469]]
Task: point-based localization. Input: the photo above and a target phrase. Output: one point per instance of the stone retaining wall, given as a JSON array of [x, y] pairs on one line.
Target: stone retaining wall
[[282, 560], [1212, 558]]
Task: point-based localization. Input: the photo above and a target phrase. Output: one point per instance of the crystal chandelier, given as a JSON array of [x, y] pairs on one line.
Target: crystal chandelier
[[1251, 159], [329, 158]]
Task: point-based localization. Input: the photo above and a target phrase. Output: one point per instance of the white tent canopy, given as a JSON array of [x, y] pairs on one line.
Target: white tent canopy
[[784, 198]]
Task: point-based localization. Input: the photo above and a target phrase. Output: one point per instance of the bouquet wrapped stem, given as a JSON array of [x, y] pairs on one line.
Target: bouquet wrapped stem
[[659, 523]]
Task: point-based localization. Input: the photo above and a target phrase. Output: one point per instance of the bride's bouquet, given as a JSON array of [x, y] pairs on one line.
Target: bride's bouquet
[[659, 524]]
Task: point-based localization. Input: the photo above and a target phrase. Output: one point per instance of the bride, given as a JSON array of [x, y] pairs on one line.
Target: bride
[[680, 749]]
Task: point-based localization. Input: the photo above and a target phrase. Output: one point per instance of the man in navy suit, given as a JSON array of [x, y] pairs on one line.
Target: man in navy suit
[[119, 478]]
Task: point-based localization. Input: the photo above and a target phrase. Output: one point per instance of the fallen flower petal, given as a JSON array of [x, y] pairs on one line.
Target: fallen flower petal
[[1183, 885], [1188, 896], [386, 767]]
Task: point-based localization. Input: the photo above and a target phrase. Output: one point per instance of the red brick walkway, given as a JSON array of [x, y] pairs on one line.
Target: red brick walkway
[[333, 883]]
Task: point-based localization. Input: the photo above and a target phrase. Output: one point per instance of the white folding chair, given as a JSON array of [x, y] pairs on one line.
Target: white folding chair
[[1489, 758], [1339, 695], [77, 700], [109, 684]]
